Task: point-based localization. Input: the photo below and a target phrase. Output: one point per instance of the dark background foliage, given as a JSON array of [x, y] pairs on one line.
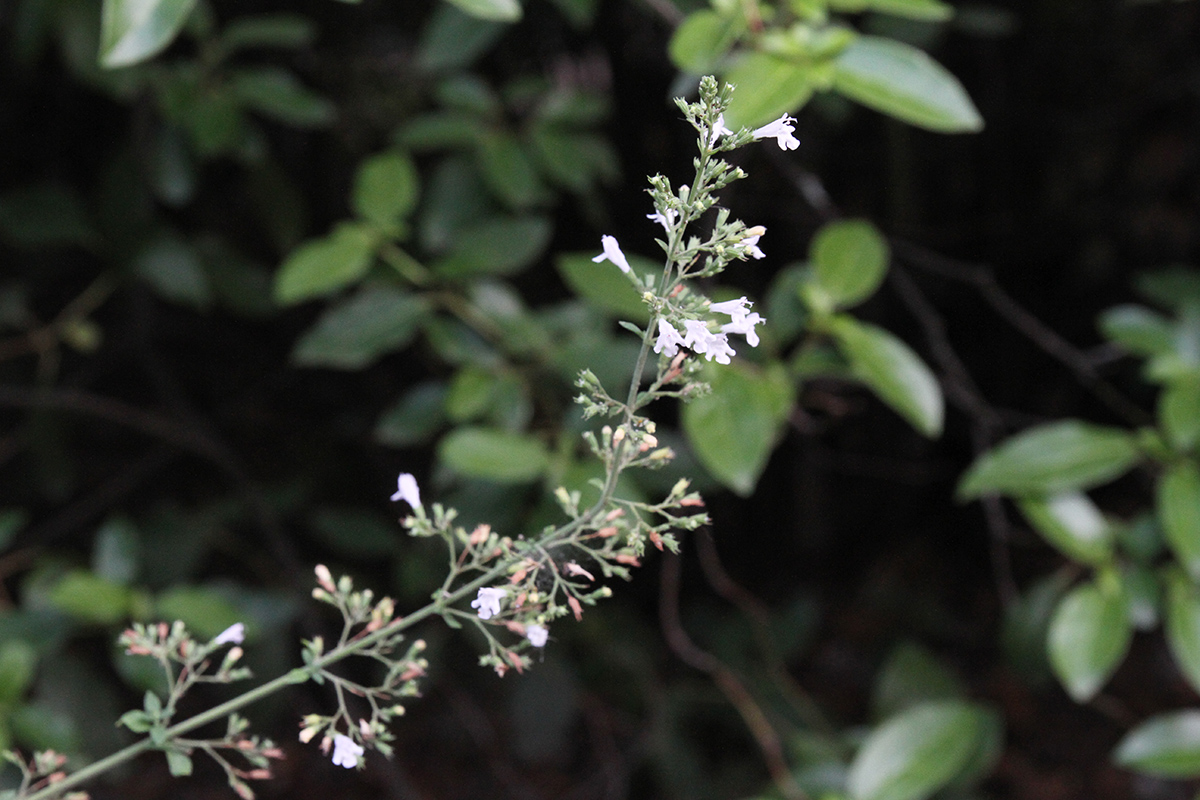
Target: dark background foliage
[[1086, 174]]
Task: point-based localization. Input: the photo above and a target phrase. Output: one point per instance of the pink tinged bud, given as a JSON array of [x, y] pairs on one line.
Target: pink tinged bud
[[325, 578], [407, 490], [612, 252], [578, 609]]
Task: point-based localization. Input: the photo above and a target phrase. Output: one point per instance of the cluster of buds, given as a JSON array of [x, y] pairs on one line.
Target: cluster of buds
[[42, 770], [348, 732]]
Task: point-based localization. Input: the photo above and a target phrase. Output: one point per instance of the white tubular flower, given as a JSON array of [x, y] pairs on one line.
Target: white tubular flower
[[668, 340], [666, 220], [781, 131], [234, 634], [407, 490], [719, 130], [743, 320], [714, 346], [537, 635], [612, 252], [751, 244], [345, 752], [487, 602]]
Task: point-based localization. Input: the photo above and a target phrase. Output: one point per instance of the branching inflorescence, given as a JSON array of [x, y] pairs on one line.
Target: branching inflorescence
[[518, 587]]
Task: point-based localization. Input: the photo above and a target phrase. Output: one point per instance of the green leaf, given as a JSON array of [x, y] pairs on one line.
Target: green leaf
[[287, 31], [1051, 458], [498, 10], [354, 332], [276, 93], [179, 764], [912, 675], [701, 40], [322, 266], [1137, 329], [137, 721], [1166, 745], [44, 215], [494, 455], [893, 371], [115, 554], [1179, 411], [134, 30], [452, 39], [1179, 513], [91, 598], [1089, 636], [414, 418], [1071, 523], [1026, 623], [917, 752], [174, 269], [1183, 624], [508, 171], [385, 189], [497, 246], [18, 663], [924, 10], [902, 81], [851, 260], [767, 87], [204, 610], [734, 429], [605, 286], [355, 532]]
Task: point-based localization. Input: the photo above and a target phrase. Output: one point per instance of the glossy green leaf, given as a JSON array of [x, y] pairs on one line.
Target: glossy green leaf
[[498, 246], [494, 455], [917, 752], [385, 189], [893, 372], [734, 429], [276, 93], [1179, 411], [574, 160], [851, 259], [1072, 523], [1183, 624], [322, 266], [904, 82], [134, 30], [1026, 623], [414, 418], [767, 87], [1179, 513], [605, 286], [1166, 745], [470, 393], [354, 332], [498, 10], [1089, 636], [1137, 329], [1052, 458], [701, 41]]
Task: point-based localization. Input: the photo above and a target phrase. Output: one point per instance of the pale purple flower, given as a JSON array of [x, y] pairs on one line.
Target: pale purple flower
[[487, 602], [537, 635], [234, 634], [612, 252], [734, 308], [668, 340], [751, 244], [719, 130], [781, 131], [345, 751], [407, 490]]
